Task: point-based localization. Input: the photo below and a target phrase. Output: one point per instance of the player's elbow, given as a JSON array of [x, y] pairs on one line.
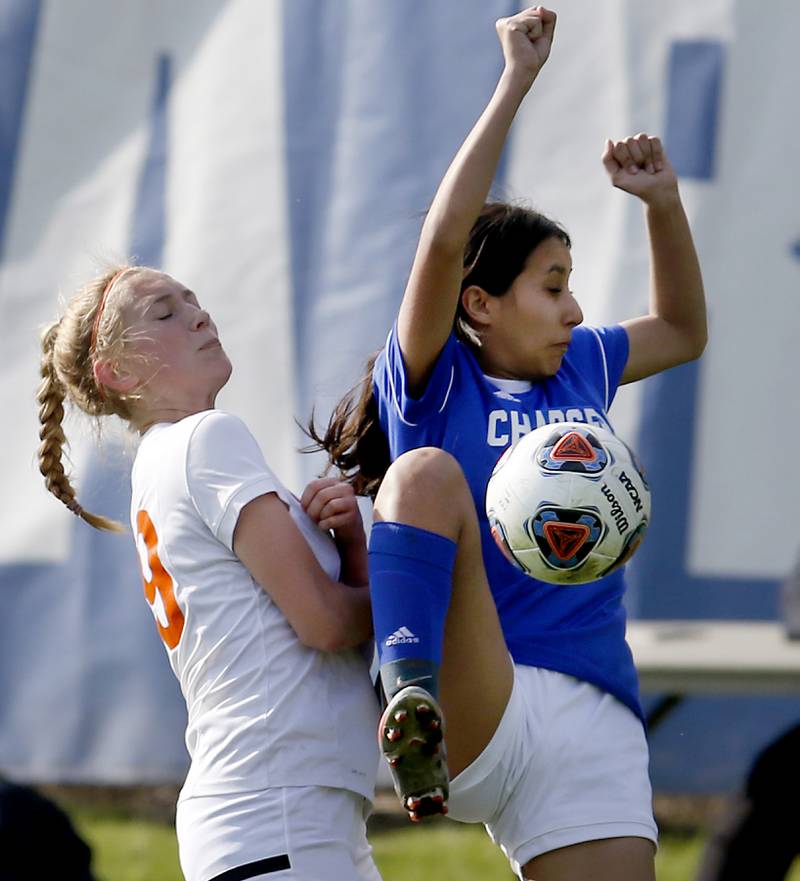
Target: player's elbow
[[696, 343], [338, 618], [324, 633], [687, 343], [323, 642]]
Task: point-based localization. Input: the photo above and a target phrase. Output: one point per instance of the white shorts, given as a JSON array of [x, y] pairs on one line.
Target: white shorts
[[303, 833], [567, 764]]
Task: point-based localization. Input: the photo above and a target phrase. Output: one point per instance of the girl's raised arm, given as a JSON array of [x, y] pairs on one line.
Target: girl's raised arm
[[431, 296], [675, 330]]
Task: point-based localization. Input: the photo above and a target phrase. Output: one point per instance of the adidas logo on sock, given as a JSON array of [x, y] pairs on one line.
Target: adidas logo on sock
[[400, 636]]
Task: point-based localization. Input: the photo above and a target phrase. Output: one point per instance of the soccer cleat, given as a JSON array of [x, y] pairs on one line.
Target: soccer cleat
[[410, 734]]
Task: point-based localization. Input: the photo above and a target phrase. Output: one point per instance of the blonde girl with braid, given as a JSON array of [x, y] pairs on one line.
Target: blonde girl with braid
[[260, 598]]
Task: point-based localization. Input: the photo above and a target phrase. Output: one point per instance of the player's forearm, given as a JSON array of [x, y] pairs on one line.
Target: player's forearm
[[466, 184], [354, 557], [676, 282], [331, 616], [350, 618]]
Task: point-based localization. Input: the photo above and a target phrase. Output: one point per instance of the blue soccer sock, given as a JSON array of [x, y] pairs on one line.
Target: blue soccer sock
[[411, 579]]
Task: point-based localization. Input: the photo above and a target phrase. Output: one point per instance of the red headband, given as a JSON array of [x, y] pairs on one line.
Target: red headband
[[99, 314], [103, 297]]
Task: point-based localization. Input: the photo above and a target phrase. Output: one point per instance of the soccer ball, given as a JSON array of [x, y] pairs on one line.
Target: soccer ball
[[568, 503]]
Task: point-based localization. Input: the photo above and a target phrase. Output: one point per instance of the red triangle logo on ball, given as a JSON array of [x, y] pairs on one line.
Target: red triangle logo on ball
[[566, 539], [573, 447]]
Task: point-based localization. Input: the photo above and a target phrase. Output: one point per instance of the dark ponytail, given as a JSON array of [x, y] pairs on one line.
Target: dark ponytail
[[354, 440]]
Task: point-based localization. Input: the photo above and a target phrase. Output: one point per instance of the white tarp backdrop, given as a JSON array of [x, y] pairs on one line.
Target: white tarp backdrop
[[277, 157]]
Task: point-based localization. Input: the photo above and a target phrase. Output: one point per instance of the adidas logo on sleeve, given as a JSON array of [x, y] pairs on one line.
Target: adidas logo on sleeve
[[401, 636]]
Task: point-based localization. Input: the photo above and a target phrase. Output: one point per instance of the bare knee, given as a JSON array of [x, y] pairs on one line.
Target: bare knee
[[426, 488]]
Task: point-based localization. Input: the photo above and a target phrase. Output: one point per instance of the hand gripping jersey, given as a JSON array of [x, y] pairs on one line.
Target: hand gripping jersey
[[578, 630], [255, 694]]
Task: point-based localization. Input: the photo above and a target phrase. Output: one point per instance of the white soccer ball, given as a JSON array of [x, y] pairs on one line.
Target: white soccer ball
[[568, 503]]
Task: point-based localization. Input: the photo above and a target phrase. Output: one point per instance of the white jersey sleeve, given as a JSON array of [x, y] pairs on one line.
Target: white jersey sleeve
[[225, 470]]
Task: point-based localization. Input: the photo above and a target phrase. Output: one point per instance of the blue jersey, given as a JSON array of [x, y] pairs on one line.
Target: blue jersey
[[578, 630]]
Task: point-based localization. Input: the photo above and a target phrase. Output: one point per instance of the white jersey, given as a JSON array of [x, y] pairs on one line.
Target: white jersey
[[264, 710]]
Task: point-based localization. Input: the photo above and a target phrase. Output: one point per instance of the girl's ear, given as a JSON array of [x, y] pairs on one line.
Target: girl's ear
[[477, 305], [114, 377]]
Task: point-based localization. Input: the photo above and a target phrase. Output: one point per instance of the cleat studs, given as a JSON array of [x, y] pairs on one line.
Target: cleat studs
[[411, 739]]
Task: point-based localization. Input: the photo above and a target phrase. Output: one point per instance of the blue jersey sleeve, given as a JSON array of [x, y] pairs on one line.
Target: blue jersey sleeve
[[602, 354], [391, 383]]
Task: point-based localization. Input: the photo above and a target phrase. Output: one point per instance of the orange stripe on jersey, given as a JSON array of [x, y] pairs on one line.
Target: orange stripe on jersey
[[160, 580]]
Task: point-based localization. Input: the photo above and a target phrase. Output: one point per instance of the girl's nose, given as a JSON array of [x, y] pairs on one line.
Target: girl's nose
[[201, 319], [574, 313]]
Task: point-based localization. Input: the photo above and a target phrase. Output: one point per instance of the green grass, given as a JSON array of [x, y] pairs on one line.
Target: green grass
[[125, 849], [456, 851], [141, 850]]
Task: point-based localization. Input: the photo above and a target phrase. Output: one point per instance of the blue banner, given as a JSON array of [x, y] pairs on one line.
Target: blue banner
[[278, 157]]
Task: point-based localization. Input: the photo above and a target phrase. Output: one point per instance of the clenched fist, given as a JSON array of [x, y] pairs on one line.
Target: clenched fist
[[639, 165], [526, 39]]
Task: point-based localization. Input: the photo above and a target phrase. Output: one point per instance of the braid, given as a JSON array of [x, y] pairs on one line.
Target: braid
[[51, 395]]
